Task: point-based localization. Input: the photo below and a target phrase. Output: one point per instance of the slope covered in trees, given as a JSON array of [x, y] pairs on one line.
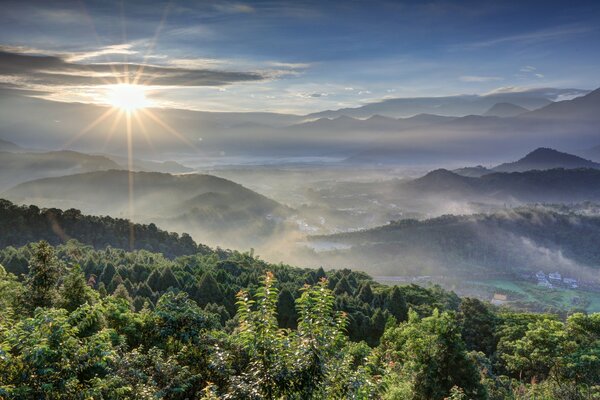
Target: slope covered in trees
[[64, 334], [215, 210], [512, 240], [20, 225]]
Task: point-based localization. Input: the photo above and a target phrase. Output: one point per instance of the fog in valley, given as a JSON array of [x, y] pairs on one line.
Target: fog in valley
[[494, 197]]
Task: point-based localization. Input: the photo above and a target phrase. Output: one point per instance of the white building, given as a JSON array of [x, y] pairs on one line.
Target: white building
[[555, 276]]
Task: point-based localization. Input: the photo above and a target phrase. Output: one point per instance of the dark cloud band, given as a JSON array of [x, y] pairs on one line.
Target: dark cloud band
[[53, 70]]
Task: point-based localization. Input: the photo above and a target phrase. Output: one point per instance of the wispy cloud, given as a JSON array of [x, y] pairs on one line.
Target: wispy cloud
[[123, 49], [479, 79], [539, 36]]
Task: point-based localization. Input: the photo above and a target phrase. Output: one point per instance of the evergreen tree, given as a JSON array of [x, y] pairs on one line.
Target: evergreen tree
[[396, 304], [342, 287], [107, 274], [75, 290], [114, 283], [168, 280], [208, 291], [122, 293], [478, 325], [154, 280], [43, 276], [366, 293], [287, 316]]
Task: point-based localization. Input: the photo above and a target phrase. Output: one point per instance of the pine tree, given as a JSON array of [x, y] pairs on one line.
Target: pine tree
[[154, 280], [208, 291], [107, 274], [42, 279], [366, 293], [75, 290], [287, 316], [122, 293], [396, 304], [168, 280], [342, 287]]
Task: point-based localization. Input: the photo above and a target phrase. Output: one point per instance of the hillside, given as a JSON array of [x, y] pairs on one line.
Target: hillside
[[183, 203], [505, 242], [23, 224], [545, 158], [505, 110], [554, 185], [20, 167], [5, 145], [581, 108]]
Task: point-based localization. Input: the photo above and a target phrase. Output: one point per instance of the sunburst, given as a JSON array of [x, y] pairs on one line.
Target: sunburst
[[126, 95]]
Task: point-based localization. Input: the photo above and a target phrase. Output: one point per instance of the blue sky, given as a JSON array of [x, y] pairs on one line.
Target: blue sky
[[301, 56]]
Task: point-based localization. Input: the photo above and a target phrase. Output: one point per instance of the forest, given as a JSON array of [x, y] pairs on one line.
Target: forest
[[93, 322]]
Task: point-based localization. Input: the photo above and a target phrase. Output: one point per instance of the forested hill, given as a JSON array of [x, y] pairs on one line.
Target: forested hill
[[20, 225], [513, 240]]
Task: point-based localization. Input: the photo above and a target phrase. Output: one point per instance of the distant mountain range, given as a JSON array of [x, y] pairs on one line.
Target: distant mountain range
[[505, 110], [452, 105], [560, 124], [213, 209], [431, 130]]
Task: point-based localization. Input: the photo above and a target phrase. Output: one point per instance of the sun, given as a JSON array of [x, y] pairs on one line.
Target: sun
[[127, 97]]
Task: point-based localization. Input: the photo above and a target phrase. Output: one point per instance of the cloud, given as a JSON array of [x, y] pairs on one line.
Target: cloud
[[474, 78], [235, 8], [528, 68], [545, 35], [51, 70], [123, 49]]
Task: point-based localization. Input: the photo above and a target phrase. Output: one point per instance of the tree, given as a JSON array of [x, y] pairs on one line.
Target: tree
[[154, 280], [342, 287], [396, 304], [75, 290], [428, 358], [45, 358], [177, 316], [207, 291], [121, 292], [287, 317], [168, 280], [42, 279], [365, 293], [478, 326]]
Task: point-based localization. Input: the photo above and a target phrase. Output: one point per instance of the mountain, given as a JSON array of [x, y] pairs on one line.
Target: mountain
[[545, 158], [504, 243], [473, 172], [168, 167], [505, 110], [5, 145], [584, 108], [593, 153], [20, 167], [21, 225], [457, 106], [213, 210], [375, 123], [553, 185]]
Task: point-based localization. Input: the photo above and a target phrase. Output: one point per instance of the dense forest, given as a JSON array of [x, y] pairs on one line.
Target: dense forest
[[79, 322], [20, 225]]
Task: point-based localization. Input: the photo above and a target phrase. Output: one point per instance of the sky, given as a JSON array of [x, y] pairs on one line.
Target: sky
[[294, 56]]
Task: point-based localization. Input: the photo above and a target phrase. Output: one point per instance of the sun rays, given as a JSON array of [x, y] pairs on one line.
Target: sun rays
[[125, 92]]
